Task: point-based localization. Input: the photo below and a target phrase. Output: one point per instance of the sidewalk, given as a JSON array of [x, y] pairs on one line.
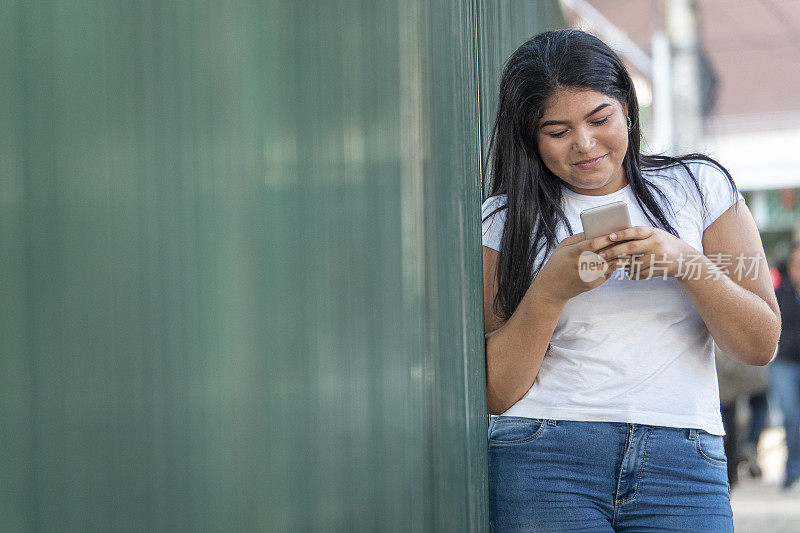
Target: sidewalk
[[761, 505]]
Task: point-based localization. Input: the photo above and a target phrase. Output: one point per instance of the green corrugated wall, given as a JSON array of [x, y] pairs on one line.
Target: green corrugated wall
[[240, 279]]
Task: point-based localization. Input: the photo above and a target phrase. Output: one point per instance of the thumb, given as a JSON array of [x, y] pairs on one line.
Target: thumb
[[572, 239]]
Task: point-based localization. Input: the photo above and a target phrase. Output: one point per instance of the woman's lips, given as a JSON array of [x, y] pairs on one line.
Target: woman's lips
[[589, 165]]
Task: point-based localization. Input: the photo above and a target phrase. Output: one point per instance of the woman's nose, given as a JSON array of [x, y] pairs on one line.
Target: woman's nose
[[583, 140]]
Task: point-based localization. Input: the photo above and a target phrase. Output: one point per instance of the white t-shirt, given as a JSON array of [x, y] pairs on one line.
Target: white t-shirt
[[631, 351]]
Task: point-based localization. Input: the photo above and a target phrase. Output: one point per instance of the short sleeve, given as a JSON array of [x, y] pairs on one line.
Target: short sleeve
[[716, 189], [492, 227]]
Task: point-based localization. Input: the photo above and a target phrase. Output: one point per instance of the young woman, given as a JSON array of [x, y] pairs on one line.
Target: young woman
[[605, 390]]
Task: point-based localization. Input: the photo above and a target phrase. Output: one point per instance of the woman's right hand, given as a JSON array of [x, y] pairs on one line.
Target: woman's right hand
[[561, 278]]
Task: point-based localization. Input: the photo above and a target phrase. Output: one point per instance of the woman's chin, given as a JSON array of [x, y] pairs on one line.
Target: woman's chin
[[590, 186]]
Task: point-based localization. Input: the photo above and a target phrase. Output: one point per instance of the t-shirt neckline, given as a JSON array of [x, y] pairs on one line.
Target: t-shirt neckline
[[602, 198]]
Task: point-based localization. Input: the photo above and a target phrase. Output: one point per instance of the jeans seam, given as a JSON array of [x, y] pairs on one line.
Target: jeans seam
[[641, 467], [618, 502]]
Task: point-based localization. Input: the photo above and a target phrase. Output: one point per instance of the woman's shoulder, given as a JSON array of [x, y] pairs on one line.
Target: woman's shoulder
[[707, 178], [494, 219], [706, 173], [493, 203], [708, 188]]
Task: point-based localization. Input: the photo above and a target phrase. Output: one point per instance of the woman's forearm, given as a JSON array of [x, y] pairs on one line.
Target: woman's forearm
[[743, 325], [514, 352]]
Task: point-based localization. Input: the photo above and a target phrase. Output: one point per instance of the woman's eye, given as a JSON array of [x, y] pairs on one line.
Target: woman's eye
[[595, 123]]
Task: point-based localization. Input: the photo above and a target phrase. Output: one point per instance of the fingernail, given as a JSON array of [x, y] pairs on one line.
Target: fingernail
[[602, 254], [613, 236]]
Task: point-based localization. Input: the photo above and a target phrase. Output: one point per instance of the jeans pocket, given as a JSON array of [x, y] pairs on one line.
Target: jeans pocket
[[515, 429], [711, 448]]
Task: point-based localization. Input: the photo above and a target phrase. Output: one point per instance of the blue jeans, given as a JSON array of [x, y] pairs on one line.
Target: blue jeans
[[784, 378], [553, 475]]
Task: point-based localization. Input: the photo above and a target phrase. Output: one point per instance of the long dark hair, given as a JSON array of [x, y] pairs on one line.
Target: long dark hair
[[548, 62]]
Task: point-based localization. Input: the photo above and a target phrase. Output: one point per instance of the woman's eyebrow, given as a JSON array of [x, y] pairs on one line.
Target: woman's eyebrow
[[556, 122]]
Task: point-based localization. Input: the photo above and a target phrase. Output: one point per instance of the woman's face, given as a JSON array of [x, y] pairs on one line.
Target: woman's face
[[579, 125]]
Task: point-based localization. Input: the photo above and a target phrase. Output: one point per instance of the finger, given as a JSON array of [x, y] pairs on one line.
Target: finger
[[604, 249], [598, 243], [616, 264], [623, 248], [633, 233], [610, 243]]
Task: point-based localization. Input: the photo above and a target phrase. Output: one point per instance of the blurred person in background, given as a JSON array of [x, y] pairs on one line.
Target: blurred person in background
[[739, 382], [784, 371], [759, 411]]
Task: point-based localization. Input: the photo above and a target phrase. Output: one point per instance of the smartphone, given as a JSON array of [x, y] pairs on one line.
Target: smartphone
[[605, 219]]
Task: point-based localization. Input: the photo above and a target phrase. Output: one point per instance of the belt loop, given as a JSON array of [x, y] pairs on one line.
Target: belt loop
[[692, 434]]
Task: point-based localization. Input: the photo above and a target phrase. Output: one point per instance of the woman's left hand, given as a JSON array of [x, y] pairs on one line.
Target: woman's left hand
[[653, 252]]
